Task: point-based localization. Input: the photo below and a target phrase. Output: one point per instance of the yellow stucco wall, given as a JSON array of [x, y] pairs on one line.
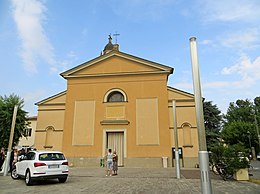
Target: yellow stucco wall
[[186, 122], [78, 120], [137, 87], [50, 124]]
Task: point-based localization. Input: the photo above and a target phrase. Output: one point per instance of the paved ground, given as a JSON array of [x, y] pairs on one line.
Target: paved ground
[[129, 180], [256, 169]]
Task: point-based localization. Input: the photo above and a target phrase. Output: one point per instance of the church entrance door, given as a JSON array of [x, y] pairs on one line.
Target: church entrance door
[[115, 141]]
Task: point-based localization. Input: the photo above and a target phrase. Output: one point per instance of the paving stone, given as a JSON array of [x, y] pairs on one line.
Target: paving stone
[[128, 180]]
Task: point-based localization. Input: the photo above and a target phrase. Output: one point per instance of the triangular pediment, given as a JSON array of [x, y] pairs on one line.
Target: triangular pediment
[[175, 94], [116, 63], [57, 99]]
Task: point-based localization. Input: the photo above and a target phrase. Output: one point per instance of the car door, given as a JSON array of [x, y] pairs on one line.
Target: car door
[[24, 163], [20, 166]]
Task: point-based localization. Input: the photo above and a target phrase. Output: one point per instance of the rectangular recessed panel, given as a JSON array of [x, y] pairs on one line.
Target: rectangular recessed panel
[[83, 126], [115, 112], [147, 124]]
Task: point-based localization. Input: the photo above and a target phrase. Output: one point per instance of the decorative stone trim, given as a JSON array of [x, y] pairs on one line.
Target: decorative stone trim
[[188, 146], [48, 147], [114, 122]]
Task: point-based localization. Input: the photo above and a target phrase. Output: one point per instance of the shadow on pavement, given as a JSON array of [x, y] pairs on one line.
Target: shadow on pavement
[[195, 174]]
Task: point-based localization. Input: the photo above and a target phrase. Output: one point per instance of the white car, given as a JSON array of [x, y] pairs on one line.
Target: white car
[[41, 165]]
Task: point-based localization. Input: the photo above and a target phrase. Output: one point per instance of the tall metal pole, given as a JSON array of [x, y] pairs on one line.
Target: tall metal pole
[[249, 140], [257, 130], [203, 153], [7, 160], [177, 157]]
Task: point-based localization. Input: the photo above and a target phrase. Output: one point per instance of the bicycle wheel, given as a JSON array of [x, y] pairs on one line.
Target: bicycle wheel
[[250, 170], [228, 176], [225, 174]]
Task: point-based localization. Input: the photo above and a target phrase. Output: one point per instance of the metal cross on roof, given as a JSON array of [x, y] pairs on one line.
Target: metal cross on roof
[[116, 34]]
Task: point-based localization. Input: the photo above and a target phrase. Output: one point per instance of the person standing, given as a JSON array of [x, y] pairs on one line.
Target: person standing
[[2, 158], [15, 158], [115, 162], [11, 161], [109, 162]]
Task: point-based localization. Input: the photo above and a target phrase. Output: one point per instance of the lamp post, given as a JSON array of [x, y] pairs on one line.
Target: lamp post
[[177, 157], [7, 160], [203, 153], [257, 130], [249, 139]]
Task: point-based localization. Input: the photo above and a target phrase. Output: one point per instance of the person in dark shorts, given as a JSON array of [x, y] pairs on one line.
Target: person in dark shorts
[[115, 162]]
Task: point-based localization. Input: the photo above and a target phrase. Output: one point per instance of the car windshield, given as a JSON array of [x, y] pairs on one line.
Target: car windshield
[[51, 156]]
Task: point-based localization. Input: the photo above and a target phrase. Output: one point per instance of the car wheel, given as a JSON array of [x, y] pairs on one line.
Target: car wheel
[[14, 174], [28, 179], [62, 180]]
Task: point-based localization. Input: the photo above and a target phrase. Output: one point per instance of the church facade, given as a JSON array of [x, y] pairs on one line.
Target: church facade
[[122, 102]]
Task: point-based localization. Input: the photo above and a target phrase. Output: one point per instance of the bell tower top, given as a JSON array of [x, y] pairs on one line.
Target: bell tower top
[[110, 46]]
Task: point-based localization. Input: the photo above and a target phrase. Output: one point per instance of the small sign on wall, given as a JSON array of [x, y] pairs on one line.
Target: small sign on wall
[[180, 153]]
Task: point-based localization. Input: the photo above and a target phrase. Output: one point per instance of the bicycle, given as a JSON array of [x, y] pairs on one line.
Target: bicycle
[[222, 170]]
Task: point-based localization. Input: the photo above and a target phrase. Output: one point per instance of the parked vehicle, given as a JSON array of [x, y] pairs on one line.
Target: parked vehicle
[[258, 156], [41, 165], [242, 156]]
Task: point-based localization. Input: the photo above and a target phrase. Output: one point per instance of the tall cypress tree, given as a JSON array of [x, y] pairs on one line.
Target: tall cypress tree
[[213, 121]]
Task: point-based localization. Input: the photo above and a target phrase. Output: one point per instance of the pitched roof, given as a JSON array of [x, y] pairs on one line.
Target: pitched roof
[[50, 98], [180, 92], [161, 68]]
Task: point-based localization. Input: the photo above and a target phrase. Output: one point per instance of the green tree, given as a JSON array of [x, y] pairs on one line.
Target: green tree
[[257, 119], [216, 151], [213, 122], [257, 110], [6, 114], [235, 156], [239, 132], [212, 117], [242, 110], [257, 102], [239, 124]]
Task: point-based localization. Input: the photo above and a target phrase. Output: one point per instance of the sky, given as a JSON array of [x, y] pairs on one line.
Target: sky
[[42, 38]]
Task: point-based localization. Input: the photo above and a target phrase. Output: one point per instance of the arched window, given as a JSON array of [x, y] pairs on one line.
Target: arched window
[[115, 95], [49, 138], [187, 140]]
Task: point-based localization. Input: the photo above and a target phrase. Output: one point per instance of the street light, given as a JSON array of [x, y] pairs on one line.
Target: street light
[[7, 160], [257, 130], [249, 139], [203, 153]]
